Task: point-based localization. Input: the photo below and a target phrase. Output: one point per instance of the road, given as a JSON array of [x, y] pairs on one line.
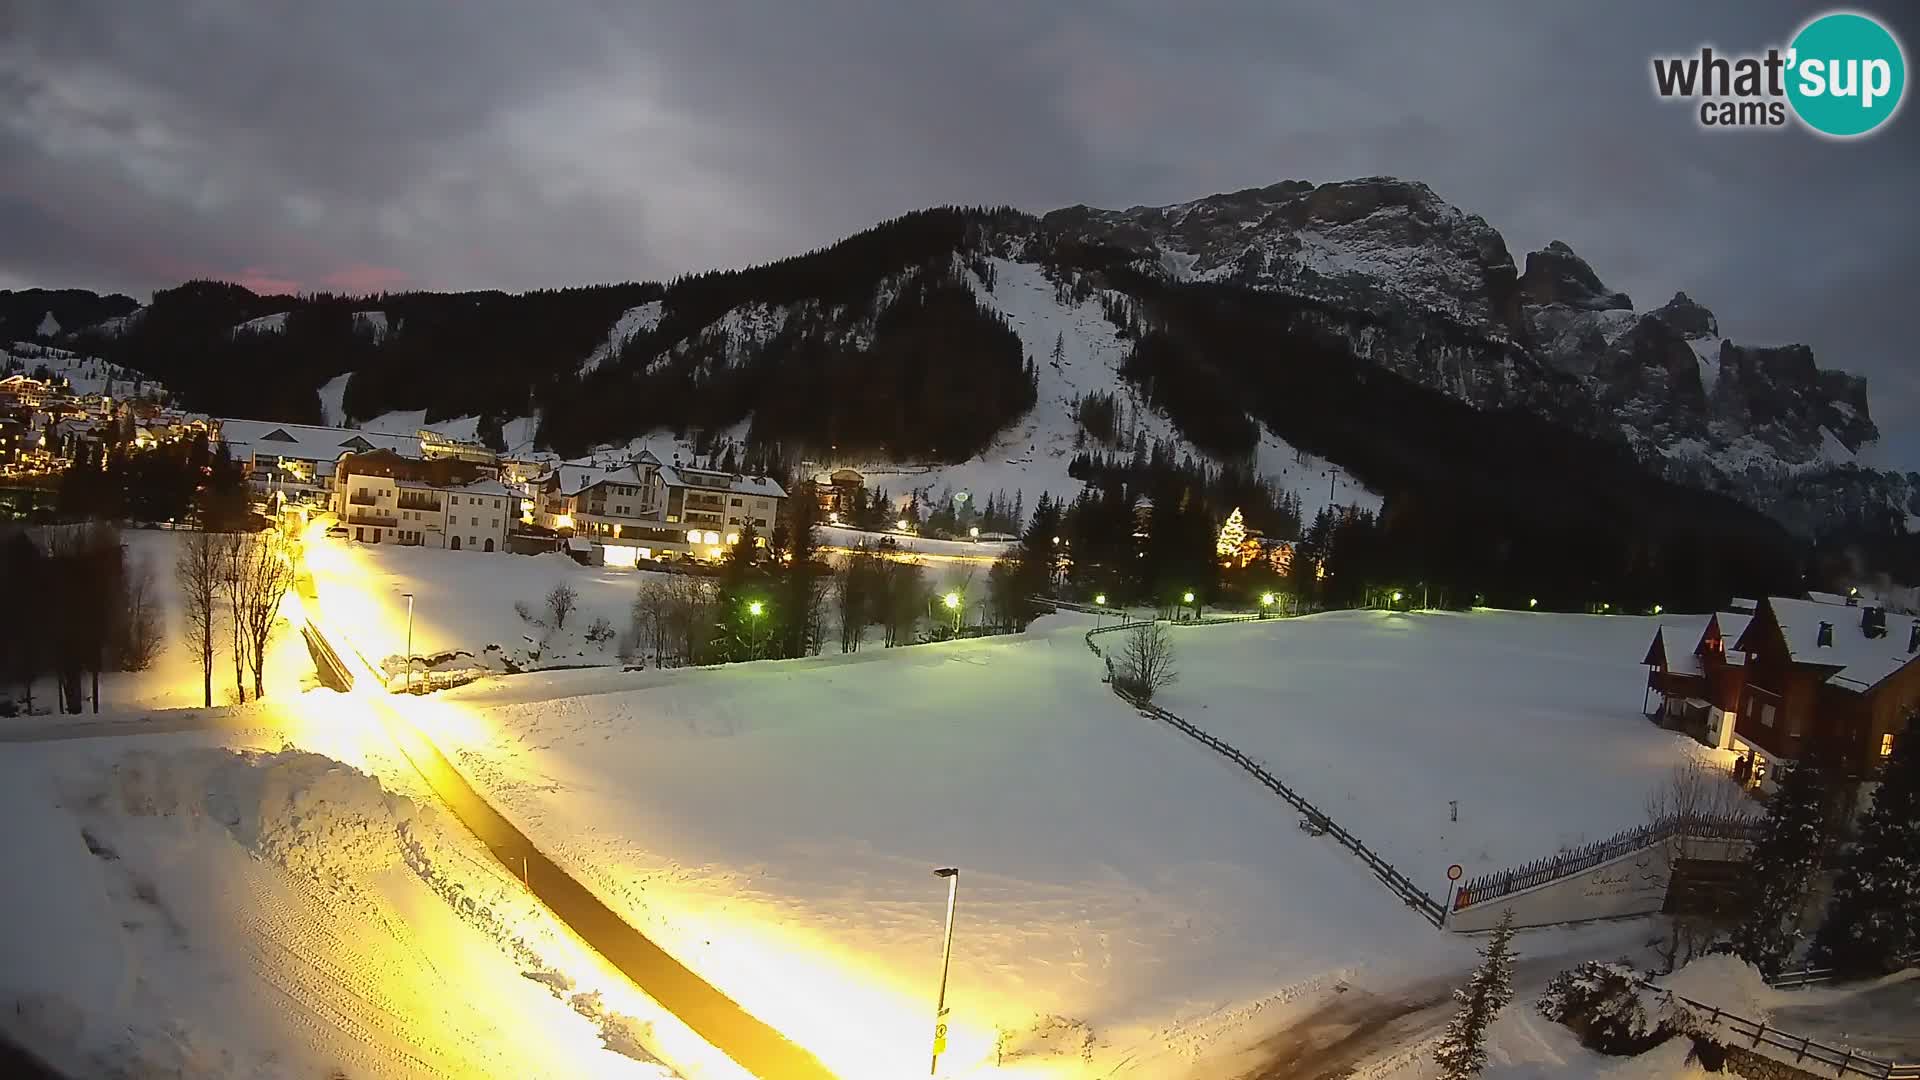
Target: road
[[733, 1031]]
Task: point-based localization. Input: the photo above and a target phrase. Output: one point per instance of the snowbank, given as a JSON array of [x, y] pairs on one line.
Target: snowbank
[[200, 912]]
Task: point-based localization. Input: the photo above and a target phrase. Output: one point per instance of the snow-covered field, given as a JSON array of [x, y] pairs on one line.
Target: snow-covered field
[[464, 602], [196, 911], [1530, 721], [774, 825]]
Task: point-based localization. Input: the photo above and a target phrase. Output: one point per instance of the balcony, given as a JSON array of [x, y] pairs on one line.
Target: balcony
[[361, 517], [363, 498], [419, 502]]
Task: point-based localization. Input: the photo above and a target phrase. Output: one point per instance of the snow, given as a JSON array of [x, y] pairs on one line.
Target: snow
[[982, 550], [49, 326], [463, 603], [87, 374], [373, 322], [275, 323], [1530, 721], [1707, 351], [631, 323], [1032, 456], [333, 396], [195, 911], [1832, 450], [517, 433], [772, 826]]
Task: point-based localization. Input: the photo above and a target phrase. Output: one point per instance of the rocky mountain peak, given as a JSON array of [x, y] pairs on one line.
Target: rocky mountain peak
[[1557, 275], [1687, 317]]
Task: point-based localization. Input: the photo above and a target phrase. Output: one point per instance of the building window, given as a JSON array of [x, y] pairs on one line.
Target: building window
[[735, 502], [1886, 745], [476, 523], [1766, 716], [453, 500]]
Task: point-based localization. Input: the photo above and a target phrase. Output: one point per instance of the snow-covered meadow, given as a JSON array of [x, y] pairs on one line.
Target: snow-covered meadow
[[1531, 722]]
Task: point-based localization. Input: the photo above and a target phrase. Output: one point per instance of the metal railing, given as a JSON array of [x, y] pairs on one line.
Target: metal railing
[[1809, 976], [1429, 908], [1805, 1048], [354, 518], [1567, 863]]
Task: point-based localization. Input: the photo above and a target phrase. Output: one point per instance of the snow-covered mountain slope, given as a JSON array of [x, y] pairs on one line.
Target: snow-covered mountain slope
[[275, 323], [86, 374], [1032, 456], [631, 323]]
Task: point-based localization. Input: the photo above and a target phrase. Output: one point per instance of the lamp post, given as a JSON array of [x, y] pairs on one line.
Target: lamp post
[[1187, 598], [409, 597], [1100, 601], [754, 610], [952, 600], [952, 874], [1266, 604]]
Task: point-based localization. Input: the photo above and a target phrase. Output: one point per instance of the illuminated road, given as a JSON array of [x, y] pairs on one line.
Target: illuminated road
[[715, 1017]]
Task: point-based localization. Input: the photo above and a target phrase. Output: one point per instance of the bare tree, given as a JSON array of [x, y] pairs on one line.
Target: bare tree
[[647, 620], [904, 597], [266, 574], [1146, 661], [198, 572], [232, 553], [138, 641], [87, 565], [560, 603], [1694, 791]]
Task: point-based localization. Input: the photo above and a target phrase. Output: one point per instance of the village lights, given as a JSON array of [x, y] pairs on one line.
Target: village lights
[[732, 539], [1533, 603], [1101, 599], [1186, 598], [693, 536], [901, 524]]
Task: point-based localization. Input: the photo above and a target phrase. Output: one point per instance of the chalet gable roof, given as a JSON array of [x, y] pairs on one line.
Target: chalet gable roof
[[1852, 660]]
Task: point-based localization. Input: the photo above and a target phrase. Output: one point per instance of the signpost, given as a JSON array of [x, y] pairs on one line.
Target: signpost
[[1453, 884], [952, 874]]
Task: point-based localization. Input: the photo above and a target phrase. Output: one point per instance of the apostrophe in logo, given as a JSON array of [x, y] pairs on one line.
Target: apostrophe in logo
[[1843, 75], [1847, 74]]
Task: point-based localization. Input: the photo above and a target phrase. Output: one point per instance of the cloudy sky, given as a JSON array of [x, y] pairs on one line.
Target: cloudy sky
[[377, 144]]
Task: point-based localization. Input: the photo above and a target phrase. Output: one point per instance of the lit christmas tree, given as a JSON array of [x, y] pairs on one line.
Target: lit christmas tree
[[1232, 535]]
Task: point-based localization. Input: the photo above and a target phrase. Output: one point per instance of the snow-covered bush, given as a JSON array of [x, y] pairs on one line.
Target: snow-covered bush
[[1601, 1004], [600, 631]]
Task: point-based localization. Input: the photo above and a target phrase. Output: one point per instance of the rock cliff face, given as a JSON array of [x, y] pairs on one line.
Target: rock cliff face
[[1763, 423]]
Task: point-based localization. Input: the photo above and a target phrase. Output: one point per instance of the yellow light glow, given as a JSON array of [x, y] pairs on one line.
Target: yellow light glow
[[901, 524], [1266, 599], [1186, 598], [621, 556], [693, 536], [952, 600], [1396, 596], [713, 538], [732, 539], [1533, 603], [755, 608], [1101, 599], [563, 521]]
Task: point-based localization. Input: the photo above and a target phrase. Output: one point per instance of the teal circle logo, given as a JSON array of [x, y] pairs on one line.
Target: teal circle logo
[[1846, 74]]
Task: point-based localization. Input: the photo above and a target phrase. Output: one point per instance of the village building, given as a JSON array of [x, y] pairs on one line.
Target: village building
[[381, 497], [643, 509], [1770, 676], [840, 494]]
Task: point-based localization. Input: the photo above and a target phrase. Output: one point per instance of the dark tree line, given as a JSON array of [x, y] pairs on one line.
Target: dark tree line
[[183, 481]]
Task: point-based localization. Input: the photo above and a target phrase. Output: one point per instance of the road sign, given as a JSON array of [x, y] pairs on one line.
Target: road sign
[[939, 1039], [1454, 872]]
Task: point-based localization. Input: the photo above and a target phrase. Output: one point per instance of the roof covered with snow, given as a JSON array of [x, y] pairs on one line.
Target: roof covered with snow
[[713, 480], [1859, 662], [309, 442]]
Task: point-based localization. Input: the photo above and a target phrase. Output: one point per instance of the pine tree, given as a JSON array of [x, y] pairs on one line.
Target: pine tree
[[1059, 349], [1232, 535], [1873, 922], [1780, 870], [1462, 1051]]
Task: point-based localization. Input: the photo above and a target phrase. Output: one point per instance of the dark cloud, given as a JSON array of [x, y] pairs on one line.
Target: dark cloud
[[492, 143]]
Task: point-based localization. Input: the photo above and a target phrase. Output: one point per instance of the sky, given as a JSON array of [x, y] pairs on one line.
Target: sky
[[366, 145]]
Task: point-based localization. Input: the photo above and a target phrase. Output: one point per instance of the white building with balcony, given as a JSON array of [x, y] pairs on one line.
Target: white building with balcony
[[643, 509]]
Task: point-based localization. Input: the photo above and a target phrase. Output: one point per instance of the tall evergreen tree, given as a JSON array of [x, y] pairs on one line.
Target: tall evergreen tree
[[800, 594], [1462, 1051], [1779, 872], [1873, 922]]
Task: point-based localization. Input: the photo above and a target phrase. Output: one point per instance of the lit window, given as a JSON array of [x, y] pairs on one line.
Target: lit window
[[693, 536], [1886, 745], [733, 538], [713, 538]]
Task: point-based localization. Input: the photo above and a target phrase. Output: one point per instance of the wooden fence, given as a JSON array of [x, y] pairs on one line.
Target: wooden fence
[[1567, 863], [1430, 909]]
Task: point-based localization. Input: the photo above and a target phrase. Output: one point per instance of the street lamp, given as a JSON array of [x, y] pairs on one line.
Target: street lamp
[[952, 600], [754, 610], [952, 874], [1186, 598], [1533, 602], [409, 597], [1266, 601]]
